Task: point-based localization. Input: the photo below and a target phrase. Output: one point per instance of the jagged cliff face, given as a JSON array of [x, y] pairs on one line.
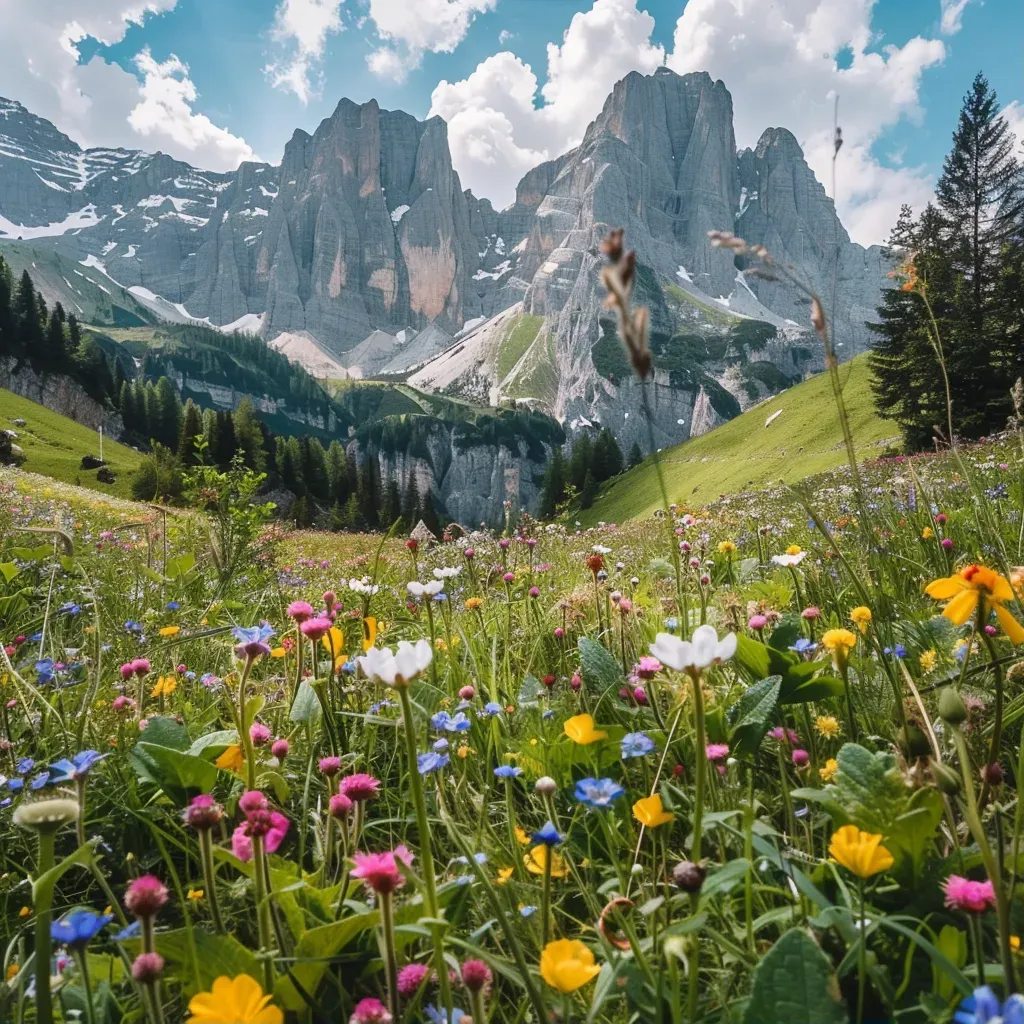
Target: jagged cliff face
[[363, 252]]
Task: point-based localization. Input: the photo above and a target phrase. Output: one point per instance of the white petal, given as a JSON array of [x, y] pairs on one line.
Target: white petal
[[671, 651], [727, 647], [705, 641]]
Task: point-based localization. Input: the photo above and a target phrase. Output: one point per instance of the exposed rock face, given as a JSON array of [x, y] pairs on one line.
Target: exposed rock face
[[61, 394]]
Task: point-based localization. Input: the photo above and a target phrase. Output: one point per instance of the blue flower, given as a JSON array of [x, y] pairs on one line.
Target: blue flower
[[44, 669], [547, 714], [349, 668], [79, 927], [129, 931], [441, 745], [636, 744], [15, 785], [597, 792], [492, 707], [671, 623], [803, 646], [527, 911], [70, 608], [431, 761], [439, 722], [252, 640], [24, 766], [436, 1016], [508, 771], [133, 627], [173, 606], [983, 1008], [77, 767], [459, 723], [40, 780], [548, 835]]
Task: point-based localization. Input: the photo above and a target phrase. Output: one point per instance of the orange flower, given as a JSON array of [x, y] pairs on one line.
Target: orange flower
[[971, 585], [231, 760]]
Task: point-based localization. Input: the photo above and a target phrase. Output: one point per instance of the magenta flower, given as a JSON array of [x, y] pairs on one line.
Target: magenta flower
[[339, 805], [147, 967], [141, 666], [203, 812], [648, 667], [123, 703], [300, 611], [271, 825], [280, 749], [360, 787], [968, 896], [145, 896], [379, 871], [329, 766], [259, 734], [127, 669], [410, 977], [252, 800], [757, 622], [784, 735], [801, 758], [717, 751], [316, 628], [370, 1011], [476, 975]]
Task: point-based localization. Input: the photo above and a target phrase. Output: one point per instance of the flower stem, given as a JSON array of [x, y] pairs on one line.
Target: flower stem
[[387, 924], [545, 899], [43, 909], [210, 877], [862, 956], [262, 912]]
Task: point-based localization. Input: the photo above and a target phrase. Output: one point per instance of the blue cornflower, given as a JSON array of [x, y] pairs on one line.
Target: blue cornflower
[[349, 668], [436, 1016], [133, 627], [441, 745], [597, 792], [492, 707], [459, 723], [252, 640], [983, 1008], [439, 722], [15, 785], [803, 646], [78, 928], [39, 781], [508, 771], [898, 651], [671, 623], [547, 714], [77, 766], [35, 638], [129, 931], [24, 766], [431, 761], [70, 608], [636, 744], [173, 606], [44, 670], [527, 911], [548, 835], [480, 858], [440, 597]]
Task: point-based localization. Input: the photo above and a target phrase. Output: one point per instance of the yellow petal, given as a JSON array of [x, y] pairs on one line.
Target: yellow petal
[[945, 588], [1011, 627], [962, 607], [369, 632]]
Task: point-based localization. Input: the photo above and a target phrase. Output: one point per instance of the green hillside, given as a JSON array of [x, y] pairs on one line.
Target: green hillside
[[803, 439], [54, 446]]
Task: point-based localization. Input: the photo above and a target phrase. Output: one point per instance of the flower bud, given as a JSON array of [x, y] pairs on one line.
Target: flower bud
[[688, 876], [992, 774], [946, 780], [545, 785], [467, 693], [339, 806], [147, 967], [476, 975], [952, 709], [279, 748], [145, 897], [204, 812]]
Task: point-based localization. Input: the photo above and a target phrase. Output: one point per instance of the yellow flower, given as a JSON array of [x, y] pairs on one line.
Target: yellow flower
[[580, 729], [12, 971], [859, 851], [474, 603], [536, 859], [928, 660], [726, 547], [567, 964], [831, 767], [195, 895], [24, 912], [521, 836], [333, 641], [165, 686], [169, 630], [861, 618], [465, 751], [827, 726], [1014, 943], [278, 652], [231, 760], [369, 632], [440, 644], [794, 549], [649, 812], [236, 1000], [971, 585], [927, 533], [504, 874], [840, 642]]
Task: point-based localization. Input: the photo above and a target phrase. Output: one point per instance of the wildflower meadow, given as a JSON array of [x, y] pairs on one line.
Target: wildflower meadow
[[754, 762]]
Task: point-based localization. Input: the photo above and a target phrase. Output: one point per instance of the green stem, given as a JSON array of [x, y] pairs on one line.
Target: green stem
[[83, 967], [210, 877], [862, 957], [387, 924], [699, 772], [545, 899], [262, 912], [44, 915]]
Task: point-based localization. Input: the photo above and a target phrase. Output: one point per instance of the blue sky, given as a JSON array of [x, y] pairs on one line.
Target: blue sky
[[216, 81]]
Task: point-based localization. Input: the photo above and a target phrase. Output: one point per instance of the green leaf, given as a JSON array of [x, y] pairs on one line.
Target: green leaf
[[179, 565], [952, 944], [9, 570], [176, 773], [819, 688], [166, 732], [786, 633], [529, 689], [599, 669], [794, 984], [213, 744], [306, 706], [202, 957], [725, 879], [752, 714]]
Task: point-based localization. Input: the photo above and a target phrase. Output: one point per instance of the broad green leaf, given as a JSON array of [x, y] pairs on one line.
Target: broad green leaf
[[725, 879], [952, 944], [306, 706], [202, 958], [178, 774], [752, 714], [786, 633], [794, 984], [213, 744], [819, 688], [166, 732], [179, 565], [599, 669], [9, 570]]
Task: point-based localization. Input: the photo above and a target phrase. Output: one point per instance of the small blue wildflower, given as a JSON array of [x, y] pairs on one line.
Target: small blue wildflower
[[983, 1008], [45, 670], [508, 771], [597, 792], [349, 668], [24, 766], [492, 707], [78, 928], [77, 766], [173, 606], [15, 785], [547, 714], [133, 627], [431, 761], [636, 744], [252, 640], [70, 608], [527, 911], [441, 745], [548, 835], [129, 931], [439, 722], [671, 623], [436, 1016], [39, 781], [804, 646]]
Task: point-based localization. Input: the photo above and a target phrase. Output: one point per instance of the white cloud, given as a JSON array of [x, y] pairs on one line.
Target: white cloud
[[166, 119], [779, 63], [410, 29], [504, 36], [95, 102], [303, 27], [1014, 114], [496, 131], [952, 16]]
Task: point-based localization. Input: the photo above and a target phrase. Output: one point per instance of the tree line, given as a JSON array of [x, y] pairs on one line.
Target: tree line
[[957, 315], [578, 478]]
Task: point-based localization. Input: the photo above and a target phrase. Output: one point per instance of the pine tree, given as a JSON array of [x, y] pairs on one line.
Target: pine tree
[[606, 459], [26, 317], [191, 429], [410, 500], [391, 504], [248, 438], [369, 491], [636, 456], [589, 491], [10, 341], [54, 345], [291, 471], [126, 406], [226, 448], [315, 469], [337, 473], [74, 335], [582, 454], [552, 492], [166, 414]]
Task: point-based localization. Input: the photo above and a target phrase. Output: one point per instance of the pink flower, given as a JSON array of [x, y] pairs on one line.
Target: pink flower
[[370, 1011], [329, 766], [559, 632], [410, 977], [316, 628], [648, 667], [811, 613], [203, 812], [757, 622], [127, 669], [801, 758], [300, 611], [141, 666], [970, 897], [145, 896], [360, 787], [717, 751], [339, 805], [509, 577], [476, 975], [379, 871], [252, 800], [467, 692], [123, 703], [329, 598], [469, 553], [271, 825], [783, 735], [259, 734], [147, 967], [280, 748]]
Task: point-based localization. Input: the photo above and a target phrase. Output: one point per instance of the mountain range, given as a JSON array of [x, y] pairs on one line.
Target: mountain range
[[361, 255]]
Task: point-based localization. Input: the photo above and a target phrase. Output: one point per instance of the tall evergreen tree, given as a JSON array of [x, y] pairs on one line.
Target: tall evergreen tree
[[54, 352], [26, 316], [579, 463], [636, 456], [191, 430], [166, 414], [552, 492], [369, 491], [248, 438]]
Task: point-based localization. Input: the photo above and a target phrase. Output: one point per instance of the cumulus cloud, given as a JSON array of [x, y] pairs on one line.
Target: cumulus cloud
[[302, 27], [496, 130], [952, 16], [1014, 114], [101, 104], [408, 30]]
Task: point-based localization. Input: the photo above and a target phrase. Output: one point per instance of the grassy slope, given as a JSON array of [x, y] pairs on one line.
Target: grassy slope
[[742, 454], [54, 446]]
